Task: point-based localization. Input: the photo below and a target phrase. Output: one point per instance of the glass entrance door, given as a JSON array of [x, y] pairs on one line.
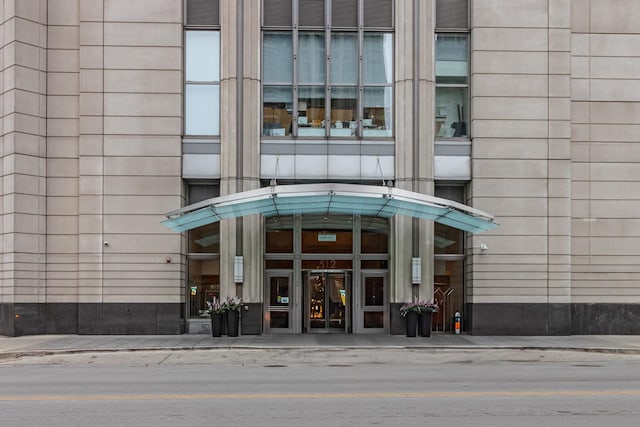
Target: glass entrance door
[[327, 302]]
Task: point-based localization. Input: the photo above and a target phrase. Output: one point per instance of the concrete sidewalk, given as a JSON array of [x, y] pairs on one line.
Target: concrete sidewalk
[[60, 344]]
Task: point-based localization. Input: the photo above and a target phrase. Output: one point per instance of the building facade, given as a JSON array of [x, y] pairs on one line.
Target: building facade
[[120, 118]]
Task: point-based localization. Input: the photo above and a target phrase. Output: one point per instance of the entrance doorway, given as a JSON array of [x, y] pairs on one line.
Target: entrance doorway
[[327, 305]]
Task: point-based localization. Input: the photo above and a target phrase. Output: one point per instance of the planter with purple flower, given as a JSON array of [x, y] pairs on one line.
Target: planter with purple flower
[[216, 309], [417, 316]]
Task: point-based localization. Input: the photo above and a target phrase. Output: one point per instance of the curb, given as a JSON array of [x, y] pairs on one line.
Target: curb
[[42, 353]]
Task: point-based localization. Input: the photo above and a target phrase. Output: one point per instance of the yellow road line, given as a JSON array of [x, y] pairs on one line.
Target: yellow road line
[[249, 396]]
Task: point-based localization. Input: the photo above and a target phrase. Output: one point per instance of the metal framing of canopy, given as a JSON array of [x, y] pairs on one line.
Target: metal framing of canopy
[[330, 199]]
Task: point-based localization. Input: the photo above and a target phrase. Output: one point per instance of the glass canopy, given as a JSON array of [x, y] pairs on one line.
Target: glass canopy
[[330, 199]]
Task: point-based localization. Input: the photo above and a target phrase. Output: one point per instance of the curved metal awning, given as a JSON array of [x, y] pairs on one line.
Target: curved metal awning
[[330, 199]]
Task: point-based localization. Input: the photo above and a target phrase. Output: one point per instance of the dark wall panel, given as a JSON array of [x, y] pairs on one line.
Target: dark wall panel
[[251, 321], [614, 319], [519, 319]]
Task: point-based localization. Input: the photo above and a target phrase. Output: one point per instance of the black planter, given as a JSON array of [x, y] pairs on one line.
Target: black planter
[[424, 324], [216, 324], [412, 323], [233, 323], [225, 322]]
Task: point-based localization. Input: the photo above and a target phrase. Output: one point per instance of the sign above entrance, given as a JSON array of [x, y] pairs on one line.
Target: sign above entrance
[[330, 199], [326, 237]]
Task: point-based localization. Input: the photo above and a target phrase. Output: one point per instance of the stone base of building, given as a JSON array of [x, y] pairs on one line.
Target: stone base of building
[[166, 319], [517, 319], [605, 319], [91, 319], [552, 319], [397, 324]]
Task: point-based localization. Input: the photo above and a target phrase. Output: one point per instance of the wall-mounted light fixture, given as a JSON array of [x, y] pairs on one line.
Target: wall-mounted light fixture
[[482, 246], [238, 269], [416, 271]]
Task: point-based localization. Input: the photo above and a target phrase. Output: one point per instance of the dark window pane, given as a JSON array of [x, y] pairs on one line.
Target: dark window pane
[[448, 292], [279, 291], [374, 264], [279, 242], [311, 13], [278, 319], [452, 14], [326, 242], [277, 13], [203, 12], [203, 285], [279, 264], [447, 240], [327, 264], [344, 13], [374, 291], [451, 192], [205, 239], [378, 13], [373, 319], [374, 236], [198, 193]]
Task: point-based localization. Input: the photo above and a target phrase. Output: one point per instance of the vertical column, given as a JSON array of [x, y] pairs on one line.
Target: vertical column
[[140, 164], [415, 21], [228, 137], [90, 163], [559, 169], [605, 174], [424, 118], [23, 207], [401, 226], [253, 230], [62, 165], [520, 90]]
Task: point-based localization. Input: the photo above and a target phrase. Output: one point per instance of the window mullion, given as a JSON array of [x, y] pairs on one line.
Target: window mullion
[[327, 48], [359, 129], [295, 44]]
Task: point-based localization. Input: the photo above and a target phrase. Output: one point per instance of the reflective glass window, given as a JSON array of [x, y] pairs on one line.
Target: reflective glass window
[[202, 109], [311, 58], [202, 83], [378, 112], [344, 58], [377, 59], [202, 56], [452, 86], [342, 81]]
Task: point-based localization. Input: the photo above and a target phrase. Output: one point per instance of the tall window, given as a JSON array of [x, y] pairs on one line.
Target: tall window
[[202, 69], [203, 256], [448, 265], [452, 85], [325, 73], [452, 69]]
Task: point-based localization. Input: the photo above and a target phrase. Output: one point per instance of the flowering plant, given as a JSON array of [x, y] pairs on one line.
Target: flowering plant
[[216, 306], [418, 307], [232, 304]]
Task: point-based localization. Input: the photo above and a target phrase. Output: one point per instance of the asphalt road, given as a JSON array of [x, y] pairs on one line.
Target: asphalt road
[[390, 387]]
